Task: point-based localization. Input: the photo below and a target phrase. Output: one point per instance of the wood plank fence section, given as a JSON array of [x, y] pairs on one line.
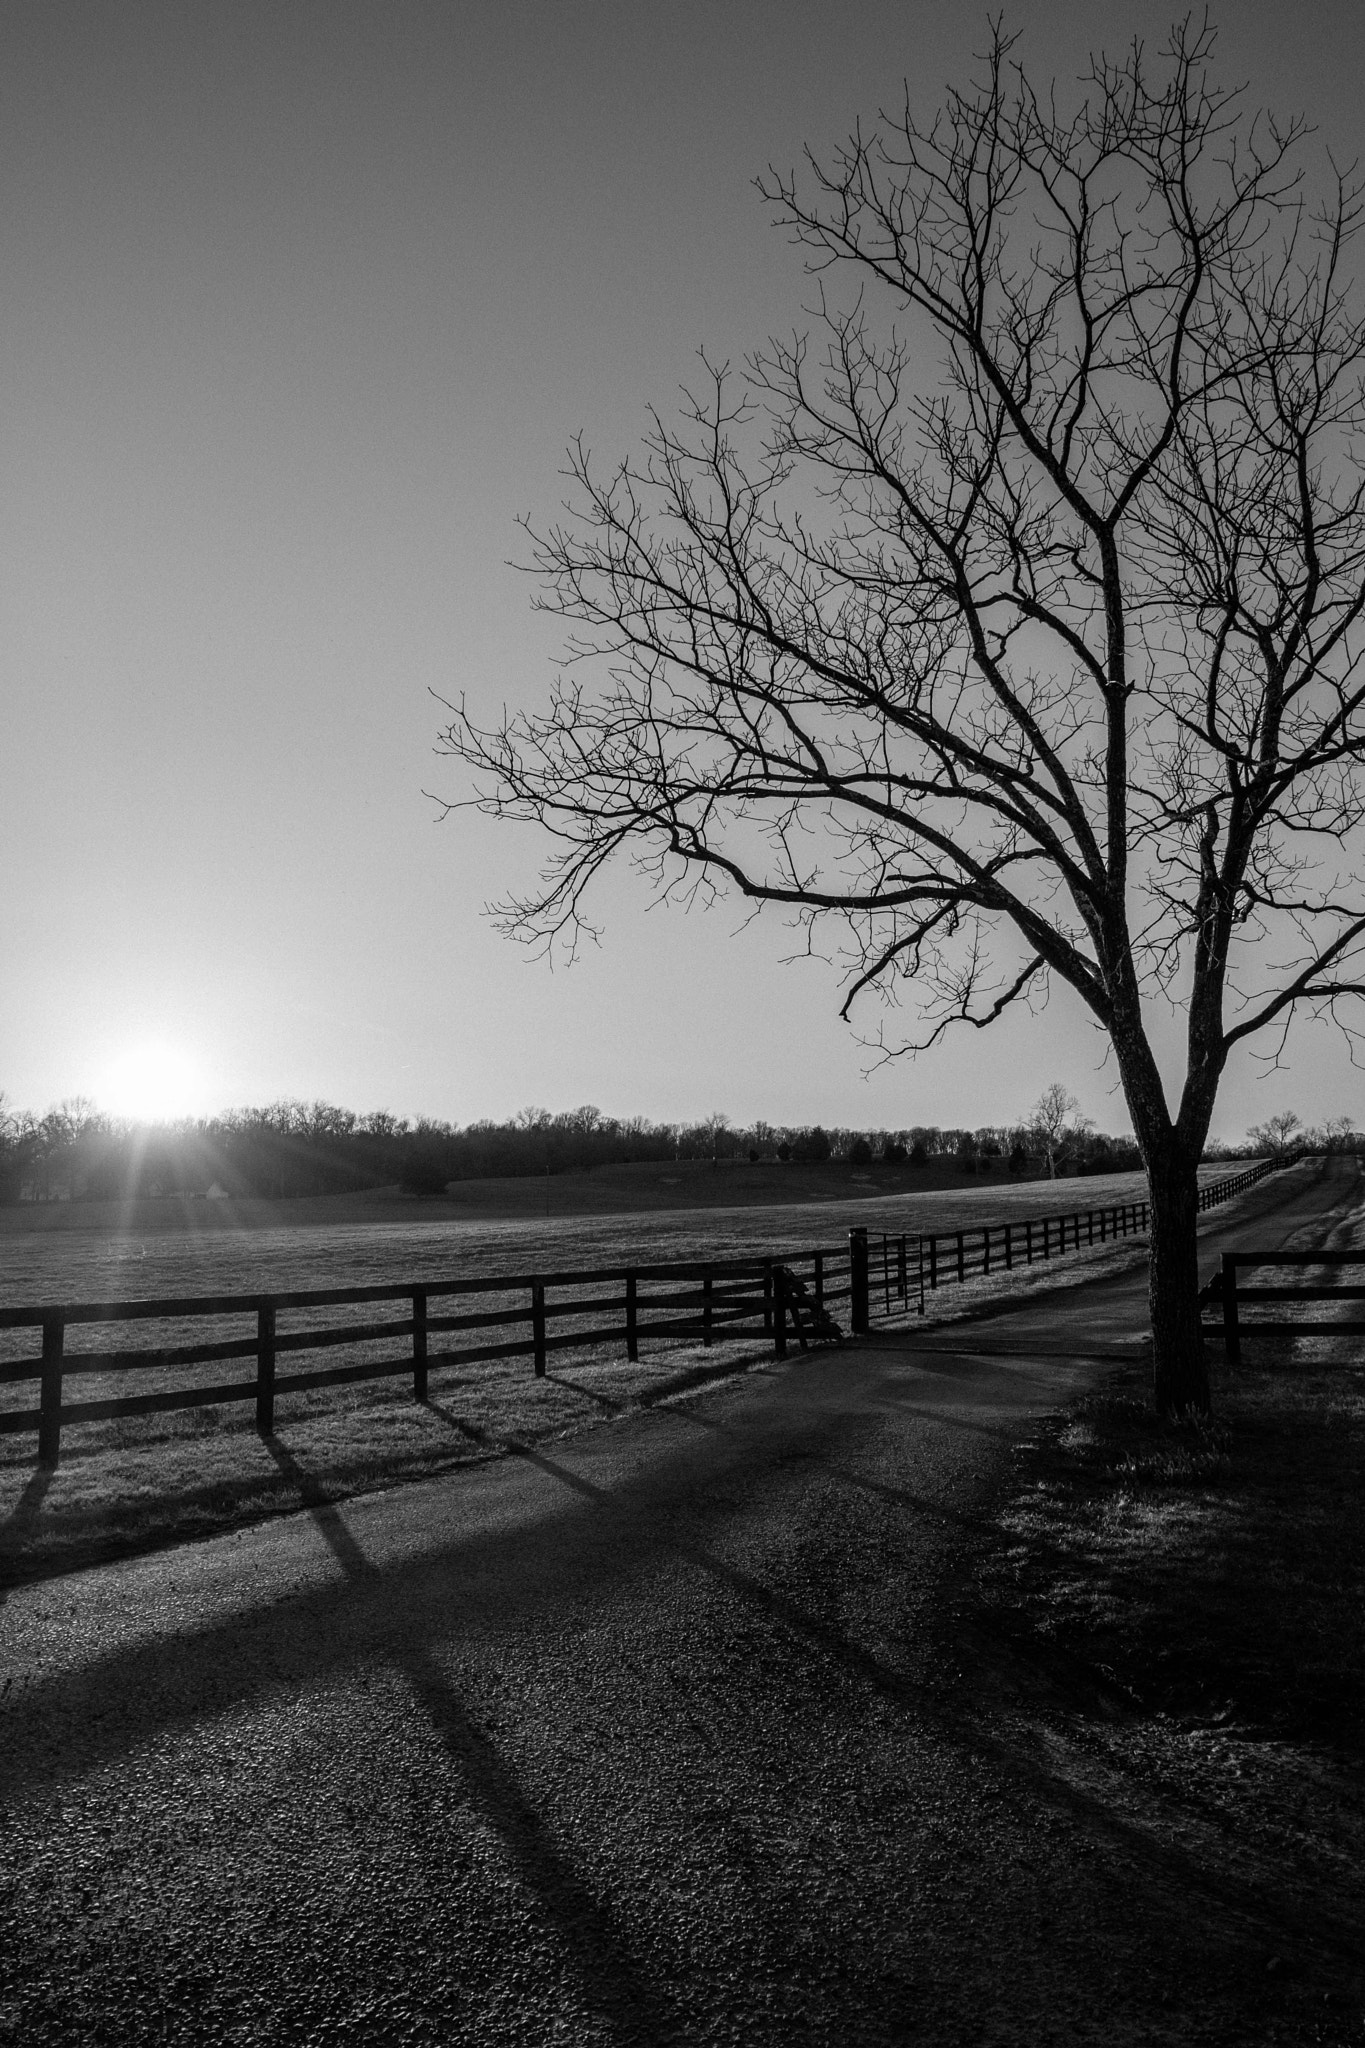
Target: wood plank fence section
[[479, 1319], [1227, 1298], [905, 1270], [444, 1323]]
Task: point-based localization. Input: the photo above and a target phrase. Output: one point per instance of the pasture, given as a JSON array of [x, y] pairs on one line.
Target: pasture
[[96, 1252]]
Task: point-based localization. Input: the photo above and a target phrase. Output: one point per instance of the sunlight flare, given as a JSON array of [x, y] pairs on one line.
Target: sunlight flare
[[152, 1081]]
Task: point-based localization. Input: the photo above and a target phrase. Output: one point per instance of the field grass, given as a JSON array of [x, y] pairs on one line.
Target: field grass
[[689, 1184], [1210, 1571], [1173, 1616]]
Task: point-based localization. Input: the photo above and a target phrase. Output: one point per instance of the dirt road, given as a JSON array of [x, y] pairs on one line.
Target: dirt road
[[682, 1730]]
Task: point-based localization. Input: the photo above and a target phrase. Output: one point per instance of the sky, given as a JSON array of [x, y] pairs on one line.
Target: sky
[[301, 305]]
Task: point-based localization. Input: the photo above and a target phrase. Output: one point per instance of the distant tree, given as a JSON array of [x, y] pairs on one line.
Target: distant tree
[[18, 1142], [1055, 1124], [1277, 1135], [717, 1127], [894, 1154], [1018, 1159], [918, 1155], [860, 1153]]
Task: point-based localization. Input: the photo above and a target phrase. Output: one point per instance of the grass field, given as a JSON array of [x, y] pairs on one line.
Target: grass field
[[602, 1191]]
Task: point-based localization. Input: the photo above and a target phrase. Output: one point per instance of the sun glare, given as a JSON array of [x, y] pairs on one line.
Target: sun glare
[[152, 1082]]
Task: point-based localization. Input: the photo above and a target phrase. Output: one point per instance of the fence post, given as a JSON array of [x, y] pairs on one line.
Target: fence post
[[1232, 1334], [985, 1251], [538, 1325], [858, 1318], [933, 1263], [1028, 1242], [706, 1311], [767, 1297], [961, 1261], [50, 1408], [779, 1312], [900, 1268], [1009, 1250], [819, 1258], [919, 1248], [419, 1343], [633, 1318], [265, 1368]]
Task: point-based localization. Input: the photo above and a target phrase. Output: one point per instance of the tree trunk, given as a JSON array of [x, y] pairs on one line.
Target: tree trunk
[[1180, 1374]]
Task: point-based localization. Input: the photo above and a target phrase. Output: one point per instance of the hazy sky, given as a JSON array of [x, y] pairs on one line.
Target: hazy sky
[[300, 305]]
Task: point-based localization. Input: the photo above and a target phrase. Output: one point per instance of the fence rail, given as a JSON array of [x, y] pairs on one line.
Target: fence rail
[[1228, 1298], [605, 1306], [531, 1315]]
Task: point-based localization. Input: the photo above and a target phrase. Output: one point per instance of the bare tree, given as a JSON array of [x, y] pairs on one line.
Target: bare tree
[[1013, 623], [1054, 1124], [1277, 1135]]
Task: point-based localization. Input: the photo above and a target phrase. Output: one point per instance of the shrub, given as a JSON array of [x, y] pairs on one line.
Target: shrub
[[895, 1155], [784, 1151], [812, 1146], [424, 1175]]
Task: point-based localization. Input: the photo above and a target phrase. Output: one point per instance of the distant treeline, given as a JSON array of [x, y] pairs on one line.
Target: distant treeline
[[76, 1152]]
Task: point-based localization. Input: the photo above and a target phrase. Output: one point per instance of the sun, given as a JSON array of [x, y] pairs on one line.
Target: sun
[[152, 1082]]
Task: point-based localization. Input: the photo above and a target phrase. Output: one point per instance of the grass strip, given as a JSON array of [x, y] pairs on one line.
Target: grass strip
[[129, 1484], [1211, 1571]]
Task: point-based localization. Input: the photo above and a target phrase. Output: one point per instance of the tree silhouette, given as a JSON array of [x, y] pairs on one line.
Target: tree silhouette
[[1013, 624]]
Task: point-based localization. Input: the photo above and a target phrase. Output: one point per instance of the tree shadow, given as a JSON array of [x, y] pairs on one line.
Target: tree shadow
[[609, 1985], [613, 1407], [471, 1430], [22, 1519]]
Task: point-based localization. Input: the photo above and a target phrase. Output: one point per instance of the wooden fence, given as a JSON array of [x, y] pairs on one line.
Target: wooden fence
[[450, 1323], [529, 1316], [908, 1269], [1229, 1298]]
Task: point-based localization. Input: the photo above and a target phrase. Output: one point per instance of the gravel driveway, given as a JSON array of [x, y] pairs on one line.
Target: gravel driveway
[[681, 1730]]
